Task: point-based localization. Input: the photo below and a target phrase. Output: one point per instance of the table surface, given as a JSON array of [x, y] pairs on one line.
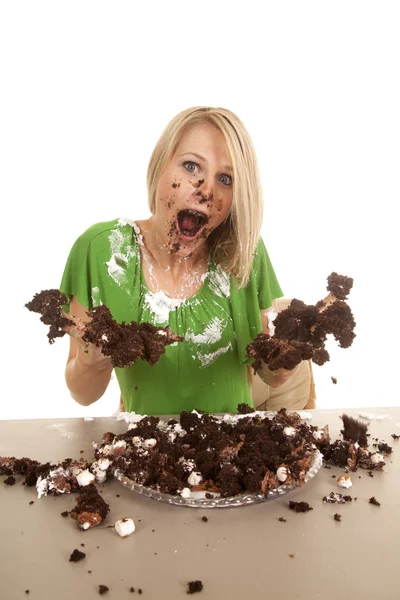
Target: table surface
[[239, 552]]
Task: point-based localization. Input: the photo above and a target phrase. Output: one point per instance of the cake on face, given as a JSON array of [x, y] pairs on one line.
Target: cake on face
[[301, 330], [123, 343]]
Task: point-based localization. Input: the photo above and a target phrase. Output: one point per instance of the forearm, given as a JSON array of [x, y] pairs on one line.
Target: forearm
[[87, 381]]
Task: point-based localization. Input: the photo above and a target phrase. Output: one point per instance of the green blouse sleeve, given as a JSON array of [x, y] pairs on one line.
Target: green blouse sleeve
[[261, 290], [85, 272]]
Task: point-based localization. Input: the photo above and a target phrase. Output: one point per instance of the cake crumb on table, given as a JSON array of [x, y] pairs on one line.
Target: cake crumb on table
[[300, 506], [374, 501], [292, 555], [194, 586], [103, 589], [337, 517], [76, 556], [282, 520], [205, 519]]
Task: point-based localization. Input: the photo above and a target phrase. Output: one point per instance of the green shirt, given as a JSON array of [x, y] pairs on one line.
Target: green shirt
[[208, 370]]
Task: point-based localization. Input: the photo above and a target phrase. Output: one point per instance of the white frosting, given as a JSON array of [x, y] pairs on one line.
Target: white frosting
[[372, 416], [185, 493], [161, 305], [282, 473], [344, 481], [126, 221], [85, 525], [41, 487], [137, 441], [207, 359], [210, 335], [318, 435], [149, 443], [124, 527], [219, 282], [194, 478], [289, 431], [377, 458], [99, 469], [88, 418], [120, 444], [85, 478]]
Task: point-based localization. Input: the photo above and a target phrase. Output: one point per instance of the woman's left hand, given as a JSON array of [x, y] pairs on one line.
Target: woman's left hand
[[278, 377]]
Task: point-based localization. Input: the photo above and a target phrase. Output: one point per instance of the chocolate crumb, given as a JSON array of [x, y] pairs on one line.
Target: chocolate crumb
[[117, 495], [282, 520], [89, 571], [194, 586], [76, 556], [32, 502], [385, 448], [300, 506], [205, 519], [337, 517], [81, 451], [333, 476], [140, 591], [374, 501], [64, 514], [395, 436], [103, 589], [27, 591], [370, 473], [82, 545], [292, 555], [10, 480], [209, 496], [334, 380], [153, 530], [132, 589]]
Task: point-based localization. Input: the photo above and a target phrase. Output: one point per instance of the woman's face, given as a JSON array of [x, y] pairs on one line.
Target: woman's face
[[194, 195]]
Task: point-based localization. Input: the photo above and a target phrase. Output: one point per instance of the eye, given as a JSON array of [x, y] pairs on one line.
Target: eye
[[229, 178], [189, 162]]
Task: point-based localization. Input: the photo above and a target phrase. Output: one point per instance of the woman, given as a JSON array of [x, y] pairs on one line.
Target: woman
[[197, 264]]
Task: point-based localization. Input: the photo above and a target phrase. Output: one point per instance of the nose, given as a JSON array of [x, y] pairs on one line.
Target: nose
[[204, 190]]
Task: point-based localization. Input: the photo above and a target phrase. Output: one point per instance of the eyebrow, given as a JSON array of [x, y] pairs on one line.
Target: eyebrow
[[227, 167]]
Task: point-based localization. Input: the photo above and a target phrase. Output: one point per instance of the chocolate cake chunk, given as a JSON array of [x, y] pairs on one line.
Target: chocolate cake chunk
[[244, 409], [10, 480], [194, 586], [76, 556], [395, 436], [354, 430], [49, 304], [103, 589], [374, 501], [224, 456], [385, 448], [300, 506], [336, 498], [123, 343], [91, 509], [301, 330], [127, 343]]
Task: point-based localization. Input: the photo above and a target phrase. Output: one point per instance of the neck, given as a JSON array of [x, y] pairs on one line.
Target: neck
[[156, 245]]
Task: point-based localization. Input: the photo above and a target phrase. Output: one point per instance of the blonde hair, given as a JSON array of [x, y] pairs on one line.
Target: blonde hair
[[234, 242]]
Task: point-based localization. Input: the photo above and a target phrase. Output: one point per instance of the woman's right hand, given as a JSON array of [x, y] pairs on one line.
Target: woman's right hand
[[87, 353]]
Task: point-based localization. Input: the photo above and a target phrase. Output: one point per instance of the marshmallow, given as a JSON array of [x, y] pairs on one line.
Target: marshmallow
[[124, 527]]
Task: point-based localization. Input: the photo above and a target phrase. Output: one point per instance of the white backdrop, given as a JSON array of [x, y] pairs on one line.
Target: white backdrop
[[87, 89]]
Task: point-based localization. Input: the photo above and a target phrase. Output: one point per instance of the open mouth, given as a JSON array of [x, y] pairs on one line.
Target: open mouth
[[191, 222]]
